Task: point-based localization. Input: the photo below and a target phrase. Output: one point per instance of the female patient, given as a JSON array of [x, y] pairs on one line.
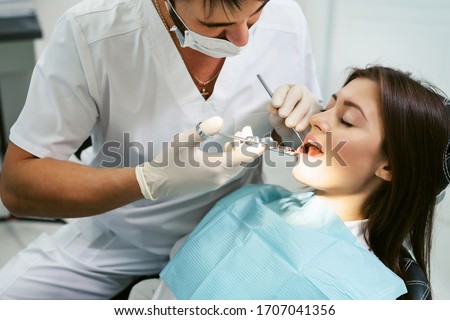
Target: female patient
[[374, 158]]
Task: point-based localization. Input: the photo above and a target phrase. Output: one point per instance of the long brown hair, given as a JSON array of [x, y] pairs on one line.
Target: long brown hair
[[416, 126]]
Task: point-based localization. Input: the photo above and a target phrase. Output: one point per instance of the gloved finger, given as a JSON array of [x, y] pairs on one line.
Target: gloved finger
[[303, 124], [279, 96], [245, 154], [228, 146], [295, 94], [247, 132], [212, 126], [299, 118], [278, 124], [238, 142], [300, 112], [272, 110], [276, 121], [207, 128], [242, 152]]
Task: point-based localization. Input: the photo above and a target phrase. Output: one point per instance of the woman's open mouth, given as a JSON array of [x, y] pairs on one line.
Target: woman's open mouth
[[311, 148]]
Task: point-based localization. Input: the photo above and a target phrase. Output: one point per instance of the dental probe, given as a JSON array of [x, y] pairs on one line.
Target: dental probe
[[264, 84]]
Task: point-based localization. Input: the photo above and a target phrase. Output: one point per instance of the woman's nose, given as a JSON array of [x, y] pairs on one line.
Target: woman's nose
[[238, 34], [319, 121]]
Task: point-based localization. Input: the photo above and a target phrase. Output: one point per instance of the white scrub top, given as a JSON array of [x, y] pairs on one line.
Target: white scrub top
[[111, 71]]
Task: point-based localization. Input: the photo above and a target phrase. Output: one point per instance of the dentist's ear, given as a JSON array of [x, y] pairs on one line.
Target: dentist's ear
[[384, 172]]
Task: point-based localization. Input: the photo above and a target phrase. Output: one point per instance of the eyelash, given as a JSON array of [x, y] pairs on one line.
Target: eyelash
[[345, 123], [341, 120]]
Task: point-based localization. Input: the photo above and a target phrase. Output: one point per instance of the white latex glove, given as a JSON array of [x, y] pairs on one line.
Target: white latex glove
[[291, 107], [181, 167]]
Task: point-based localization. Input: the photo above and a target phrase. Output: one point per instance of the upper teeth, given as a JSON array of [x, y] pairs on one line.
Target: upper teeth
[[313, 143]]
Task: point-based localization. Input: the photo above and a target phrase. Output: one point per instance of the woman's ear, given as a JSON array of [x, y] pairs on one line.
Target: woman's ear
[[384, 171]]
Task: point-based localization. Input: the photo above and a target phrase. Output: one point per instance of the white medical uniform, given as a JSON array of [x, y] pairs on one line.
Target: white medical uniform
[[111, 71]]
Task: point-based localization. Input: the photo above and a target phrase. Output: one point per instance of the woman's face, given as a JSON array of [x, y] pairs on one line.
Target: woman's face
[[342, 153]]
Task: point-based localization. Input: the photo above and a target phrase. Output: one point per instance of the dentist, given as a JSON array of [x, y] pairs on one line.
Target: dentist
[[132, 75]]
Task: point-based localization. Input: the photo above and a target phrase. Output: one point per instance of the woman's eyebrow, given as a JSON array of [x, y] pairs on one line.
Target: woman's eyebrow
[[350, 104]]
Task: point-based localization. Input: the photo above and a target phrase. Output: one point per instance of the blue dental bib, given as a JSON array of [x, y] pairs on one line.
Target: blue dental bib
[[264, 242]]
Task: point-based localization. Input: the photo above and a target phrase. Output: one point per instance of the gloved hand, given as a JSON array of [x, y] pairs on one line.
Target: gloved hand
[[181, 167], [291, 107]]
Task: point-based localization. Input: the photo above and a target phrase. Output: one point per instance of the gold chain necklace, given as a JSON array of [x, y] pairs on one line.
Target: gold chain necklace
[[158, 9], [203, 84]]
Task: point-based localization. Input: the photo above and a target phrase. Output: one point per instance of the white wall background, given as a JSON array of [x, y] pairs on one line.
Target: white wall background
[[410, 34], [48, 11]]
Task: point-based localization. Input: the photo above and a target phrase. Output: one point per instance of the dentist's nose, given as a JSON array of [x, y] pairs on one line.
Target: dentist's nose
[[238, 34]]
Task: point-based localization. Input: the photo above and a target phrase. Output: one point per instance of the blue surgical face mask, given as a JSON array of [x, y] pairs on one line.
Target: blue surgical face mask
[[217, 48]]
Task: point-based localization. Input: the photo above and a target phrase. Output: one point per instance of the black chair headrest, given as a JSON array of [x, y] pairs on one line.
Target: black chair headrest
[[446, 161], [446, 168], [414, 277]]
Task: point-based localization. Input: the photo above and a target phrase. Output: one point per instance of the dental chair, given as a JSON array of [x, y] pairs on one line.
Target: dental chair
[[414, 277]]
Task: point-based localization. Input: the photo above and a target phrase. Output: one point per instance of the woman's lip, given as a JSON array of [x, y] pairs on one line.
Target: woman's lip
[[312, 151], [311, 137]]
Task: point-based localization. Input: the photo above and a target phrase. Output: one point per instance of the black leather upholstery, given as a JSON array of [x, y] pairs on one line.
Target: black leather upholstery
[[415, 279]]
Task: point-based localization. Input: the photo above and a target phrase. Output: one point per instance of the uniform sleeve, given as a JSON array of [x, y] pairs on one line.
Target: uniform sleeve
[[61, 106]]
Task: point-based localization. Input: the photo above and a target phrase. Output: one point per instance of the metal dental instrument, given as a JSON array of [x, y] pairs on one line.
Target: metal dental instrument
[[270, 94], [251, 140], [267, 142]]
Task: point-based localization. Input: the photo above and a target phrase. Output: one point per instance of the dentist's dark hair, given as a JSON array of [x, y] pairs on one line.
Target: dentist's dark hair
[[416, 128], [211, 5]]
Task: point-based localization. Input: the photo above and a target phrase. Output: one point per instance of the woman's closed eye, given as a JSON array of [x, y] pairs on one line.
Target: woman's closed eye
[[345, 123]]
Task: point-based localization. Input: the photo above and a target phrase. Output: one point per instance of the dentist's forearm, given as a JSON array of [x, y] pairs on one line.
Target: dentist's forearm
[[55, 188]]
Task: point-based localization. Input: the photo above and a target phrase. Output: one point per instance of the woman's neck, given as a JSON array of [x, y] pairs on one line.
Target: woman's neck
[[348, 207]]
